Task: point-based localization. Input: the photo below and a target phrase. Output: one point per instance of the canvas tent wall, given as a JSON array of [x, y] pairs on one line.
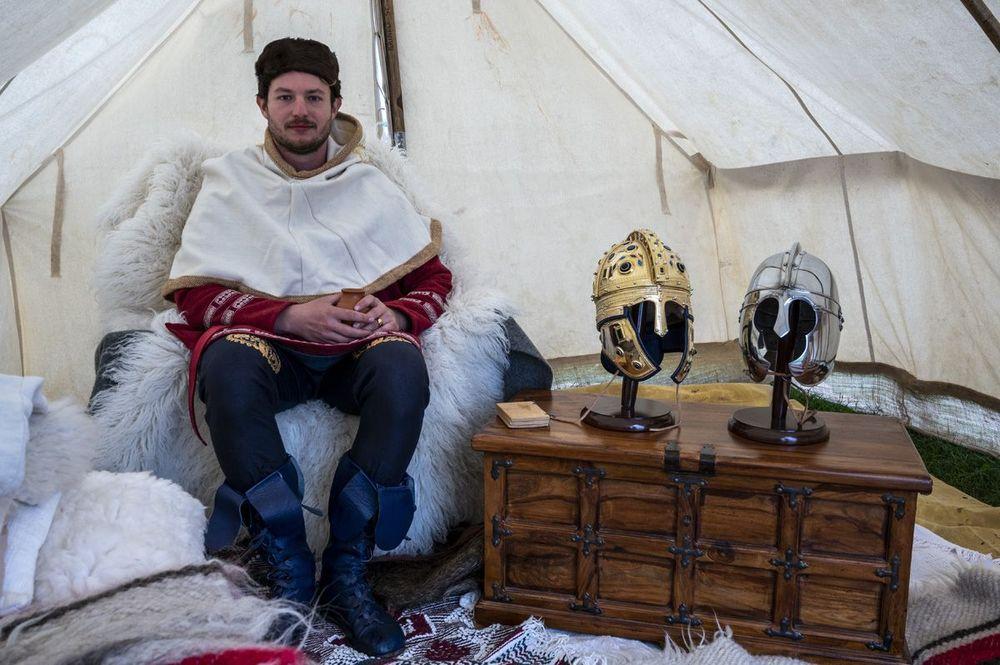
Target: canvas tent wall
[[548, 129]]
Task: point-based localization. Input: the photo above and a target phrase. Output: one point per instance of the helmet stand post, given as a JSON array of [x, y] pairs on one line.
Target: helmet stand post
[[770, 425], [631, 413]]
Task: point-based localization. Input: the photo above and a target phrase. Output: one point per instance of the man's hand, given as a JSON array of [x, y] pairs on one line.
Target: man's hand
[[385, 319], [320, 320]]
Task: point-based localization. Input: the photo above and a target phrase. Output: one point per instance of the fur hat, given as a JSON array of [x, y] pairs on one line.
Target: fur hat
[[293, 54]]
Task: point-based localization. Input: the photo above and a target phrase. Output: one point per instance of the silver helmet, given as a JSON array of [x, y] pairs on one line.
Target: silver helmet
[[766, 316]]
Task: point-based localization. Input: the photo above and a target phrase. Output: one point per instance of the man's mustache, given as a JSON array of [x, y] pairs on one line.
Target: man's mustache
[[299, 123]]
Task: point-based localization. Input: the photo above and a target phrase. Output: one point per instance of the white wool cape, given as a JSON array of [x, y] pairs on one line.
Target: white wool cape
[[253, 227], [145, 414]]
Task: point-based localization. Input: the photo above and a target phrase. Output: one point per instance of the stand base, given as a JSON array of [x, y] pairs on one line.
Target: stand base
[[649, 414], [755, 424]]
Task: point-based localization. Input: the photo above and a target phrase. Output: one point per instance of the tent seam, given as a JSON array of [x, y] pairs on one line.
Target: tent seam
[[3, 87], [83, 124], [791, 88], [843, 176], [58, 216], [857, 260], [248, 14], [5, 233], [718, 256], [661, 185], [697, 160]]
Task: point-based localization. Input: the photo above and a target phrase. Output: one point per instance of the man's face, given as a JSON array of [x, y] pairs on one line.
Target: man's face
[[299, 111]]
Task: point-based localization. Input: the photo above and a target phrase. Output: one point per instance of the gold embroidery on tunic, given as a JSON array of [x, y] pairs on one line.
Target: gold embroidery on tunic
[[380, 340], [260, 345]]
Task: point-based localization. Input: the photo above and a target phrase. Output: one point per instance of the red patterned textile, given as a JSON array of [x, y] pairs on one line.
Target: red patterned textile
[[249, 656], [980, 644]]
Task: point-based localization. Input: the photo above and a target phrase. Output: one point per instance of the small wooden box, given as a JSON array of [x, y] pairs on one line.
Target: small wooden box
[[803, 551]]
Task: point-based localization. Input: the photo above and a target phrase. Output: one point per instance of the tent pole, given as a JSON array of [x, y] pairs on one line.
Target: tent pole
[[986, 20], [388, 86]]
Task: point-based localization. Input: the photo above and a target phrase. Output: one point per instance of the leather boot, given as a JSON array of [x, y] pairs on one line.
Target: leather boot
[[362, 514], [272, 512]]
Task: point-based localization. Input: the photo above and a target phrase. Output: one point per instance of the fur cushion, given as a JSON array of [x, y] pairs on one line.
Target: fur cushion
[[112, 528], [144, 413]]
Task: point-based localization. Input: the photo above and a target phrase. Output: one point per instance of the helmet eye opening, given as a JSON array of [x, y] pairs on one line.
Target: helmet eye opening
[[807, 316], [766, 315]]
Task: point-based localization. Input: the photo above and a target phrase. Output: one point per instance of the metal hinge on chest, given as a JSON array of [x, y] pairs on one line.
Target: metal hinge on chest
[[884, 645], [688, 482], [785, 630], [892, 573], [684, 617], [686, 552], [499, 531], [590, 474], [500, 464], [789, 563], [793, 493], [589, 538], [589, 605], [897, 501], [500, 593]]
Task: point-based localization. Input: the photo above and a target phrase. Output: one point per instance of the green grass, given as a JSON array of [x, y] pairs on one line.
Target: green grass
[[975, 473]]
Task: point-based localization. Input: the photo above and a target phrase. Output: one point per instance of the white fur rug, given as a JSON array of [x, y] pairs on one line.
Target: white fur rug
[[113, 528], [145, 413]]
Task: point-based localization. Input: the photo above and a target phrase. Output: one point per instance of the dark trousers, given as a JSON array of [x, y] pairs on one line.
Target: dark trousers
[[244, 381]]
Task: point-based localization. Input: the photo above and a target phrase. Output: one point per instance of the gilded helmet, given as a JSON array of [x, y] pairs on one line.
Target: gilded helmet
[[766, 316], [643, 299]]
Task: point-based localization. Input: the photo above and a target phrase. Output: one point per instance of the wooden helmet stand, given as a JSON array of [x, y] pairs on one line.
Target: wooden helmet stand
[[631, 414], [770, 424]]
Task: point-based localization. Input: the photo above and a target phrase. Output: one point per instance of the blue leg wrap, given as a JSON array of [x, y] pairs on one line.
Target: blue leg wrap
[[356, 501]]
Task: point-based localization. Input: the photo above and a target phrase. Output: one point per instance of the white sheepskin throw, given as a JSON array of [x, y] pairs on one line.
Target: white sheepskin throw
[[145, 413], [115, 527], [58, 453]]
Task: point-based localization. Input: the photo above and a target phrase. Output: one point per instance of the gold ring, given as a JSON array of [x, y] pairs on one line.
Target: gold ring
[[379, 321]]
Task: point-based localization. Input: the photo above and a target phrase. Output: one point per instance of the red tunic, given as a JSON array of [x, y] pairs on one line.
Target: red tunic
[[420, 295]]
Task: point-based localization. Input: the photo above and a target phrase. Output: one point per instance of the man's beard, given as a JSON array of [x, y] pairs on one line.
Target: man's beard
[[300, 148]]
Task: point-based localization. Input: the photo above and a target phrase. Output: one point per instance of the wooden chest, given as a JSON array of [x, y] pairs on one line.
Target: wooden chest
[[804, 552]]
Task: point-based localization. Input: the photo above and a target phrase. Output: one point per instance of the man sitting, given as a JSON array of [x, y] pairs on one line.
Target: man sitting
[[276, 235]]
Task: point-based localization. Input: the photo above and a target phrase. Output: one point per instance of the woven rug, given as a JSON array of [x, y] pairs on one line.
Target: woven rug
[[954, 619], [439, 633]]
